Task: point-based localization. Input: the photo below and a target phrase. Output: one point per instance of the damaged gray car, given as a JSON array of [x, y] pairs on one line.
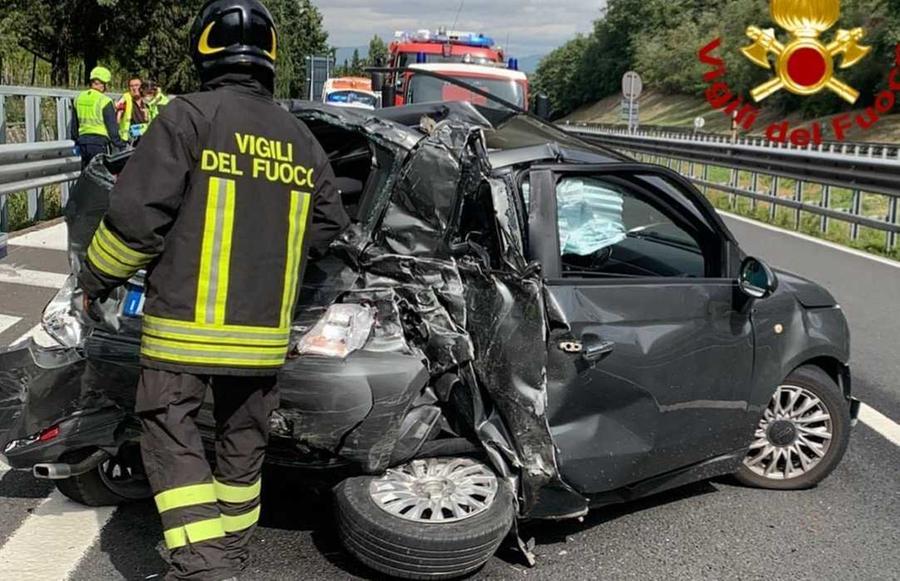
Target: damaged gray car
[[517, 325]]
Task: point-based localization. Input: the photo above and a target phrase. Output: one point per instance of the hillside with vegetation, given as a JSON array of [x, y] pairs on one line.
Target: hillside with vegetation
[[679, 111], [661, 38]]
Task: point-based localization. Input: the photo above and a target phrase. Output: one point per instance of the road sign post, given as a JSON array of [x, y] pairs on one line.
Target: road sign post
[[632, 87], [318, 70]]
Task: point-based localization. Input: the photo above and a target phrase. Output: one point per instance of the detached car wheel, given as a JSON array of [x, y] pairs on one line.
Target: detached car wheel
[[115, 481], [436, 518], [801, 436]]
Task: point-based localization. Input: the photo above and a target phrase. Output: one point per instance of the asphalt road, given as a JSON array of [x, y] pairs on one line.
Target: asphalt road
[[847, 528]]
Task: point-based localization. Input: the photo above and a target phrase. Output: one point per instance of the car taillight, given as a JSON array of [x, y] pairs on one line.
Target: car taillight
[[49, 434]]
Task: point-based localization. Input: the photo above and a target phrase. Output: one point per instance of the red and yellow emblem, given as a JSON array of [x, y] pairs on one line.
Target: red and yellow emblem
[[805, 65]]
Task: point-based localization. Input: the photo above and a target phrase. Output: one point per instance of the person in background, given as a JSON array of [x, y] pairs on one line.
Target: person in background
[[94, 127], [224, 250], [131, 112], [154, 98]]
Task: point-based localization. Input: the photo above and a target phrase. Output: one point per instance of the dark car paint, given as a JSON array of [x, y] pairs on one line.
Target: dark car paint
[[693, 365]]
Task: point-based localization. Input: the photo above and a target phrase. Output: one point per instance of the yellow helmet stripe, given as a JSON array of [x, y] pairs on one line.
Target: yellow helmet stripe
[[203, 46], [274, 52]]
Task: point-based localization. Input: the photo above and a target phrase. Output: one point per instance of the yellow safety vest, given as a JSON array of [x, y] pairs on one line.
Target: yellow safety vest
[[89, 107], [158, 102], [125, 121]]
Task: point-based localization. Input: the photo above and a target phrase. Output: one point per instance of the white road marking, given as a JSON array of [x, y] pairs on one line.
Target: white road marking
[[55, 238], [808, 238], [52, 541], [11, 274], [7, 322], [880, 423]]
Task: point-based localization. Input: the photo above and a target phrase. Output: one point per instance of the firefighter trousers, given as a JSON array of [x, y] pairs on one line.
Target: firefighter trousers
[[208, 516]]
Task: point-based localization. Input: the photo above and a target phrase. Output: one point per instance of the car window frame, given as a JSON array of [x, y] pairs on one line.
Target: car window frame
[[543, 217]]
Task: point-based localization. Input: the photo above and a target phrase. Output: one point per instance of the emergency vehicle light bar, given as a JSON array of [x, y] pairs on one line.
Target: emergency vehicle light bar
[[442, 37]]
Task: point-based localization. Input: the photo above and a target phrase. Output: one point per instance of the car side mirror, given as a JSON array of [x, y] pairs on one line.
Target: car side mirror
[[388, 95], [757, 280], [377, 81], [542, 107]]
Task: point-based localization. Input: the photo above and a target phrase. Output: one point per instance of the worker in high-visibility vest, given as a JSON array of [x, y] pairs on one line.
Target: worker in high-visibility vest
[[132, 113], [94, 127], [224, 246], [154, 98]]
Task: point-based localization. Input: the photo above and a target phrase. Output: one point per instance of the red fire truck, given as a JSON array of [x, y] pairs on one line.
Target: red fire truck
[[443, 46], [507, 84]]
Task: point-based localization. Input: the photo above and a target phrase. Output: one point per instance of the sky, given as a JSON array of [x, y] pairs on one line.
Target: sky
[[535, 27]]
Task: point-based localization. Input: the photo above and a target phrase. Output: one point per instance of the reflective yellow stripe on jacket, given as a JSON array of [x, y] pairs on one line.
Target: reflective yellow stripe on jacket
[[296, 233], [112, 257], [208, 340]]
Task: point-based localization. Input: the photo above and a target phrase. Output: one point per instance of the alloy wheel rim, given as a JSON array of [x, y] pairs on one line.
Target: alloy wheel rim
[[793, 435], [436, 490]]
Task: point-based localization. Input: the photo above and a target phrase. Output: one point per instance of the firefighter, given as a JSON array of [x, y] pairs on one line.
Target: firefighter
[[224, 241], [94, 122]]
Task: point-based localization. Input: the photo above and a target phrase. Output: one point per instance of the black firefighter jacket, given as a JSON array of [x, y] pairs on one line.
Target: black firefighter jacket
[[221, 203]]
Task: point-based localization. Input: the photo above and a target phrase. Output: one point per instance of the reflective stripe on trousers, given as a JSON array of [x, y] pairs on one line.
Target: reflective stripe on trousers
[[207, 518], [194, 495]]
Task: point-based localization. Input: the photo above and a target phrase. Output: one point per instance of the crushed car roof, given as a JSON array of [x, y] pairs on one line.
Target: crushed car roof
[[511, 137]]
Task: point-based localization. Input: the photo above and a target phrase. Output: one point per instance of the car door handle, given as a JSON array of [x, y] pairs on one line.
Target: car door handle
[[595, 348]]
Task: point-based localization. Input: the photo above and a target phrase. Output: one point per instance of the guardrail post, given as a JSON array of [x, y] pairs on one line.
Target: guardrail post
[[4, 217], [773, 190], [826, 203], [798, 197], [2, 119], [856, 210], [32, 135], [706, 179], [892, 219], [733, 182], [754, 186], [63, 119]]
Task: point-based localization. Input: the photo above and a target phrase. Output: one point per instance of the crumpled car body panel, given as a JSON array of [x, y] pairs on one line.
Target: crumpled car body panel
[[450, 317]]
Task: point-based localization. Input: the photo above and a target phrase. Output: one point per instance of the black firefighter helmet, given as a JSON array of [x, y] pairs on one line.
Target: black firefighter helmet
[[229, 35]]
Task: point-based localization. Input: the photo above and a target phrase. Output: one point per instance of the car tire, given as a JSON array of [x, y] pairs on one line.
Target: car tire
[[99, 486], [796, 392], [404, 548]]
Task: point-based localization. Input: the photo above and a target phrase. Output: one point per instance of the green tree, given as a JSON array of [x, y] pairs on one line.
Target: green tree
[[378, 52], [302, 35], [356, 64], [146, 37], [557, 75], [660, 39], [59, 31]]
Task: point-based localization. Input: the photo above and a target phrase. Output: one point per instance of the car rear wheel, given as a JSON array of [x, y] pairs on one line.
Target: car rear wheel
[[435, 518], [802, 435], [116, 480]]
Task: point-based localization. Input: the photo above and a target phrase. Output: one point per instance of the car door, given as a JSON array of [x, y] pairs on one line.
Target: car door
[[641, 276]]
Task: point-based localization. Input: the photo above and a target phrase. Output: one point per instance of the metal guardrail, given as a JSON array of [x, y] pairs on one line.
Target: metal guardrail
[[858, 148], [28, 167], [861, 174], [34, 150]]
